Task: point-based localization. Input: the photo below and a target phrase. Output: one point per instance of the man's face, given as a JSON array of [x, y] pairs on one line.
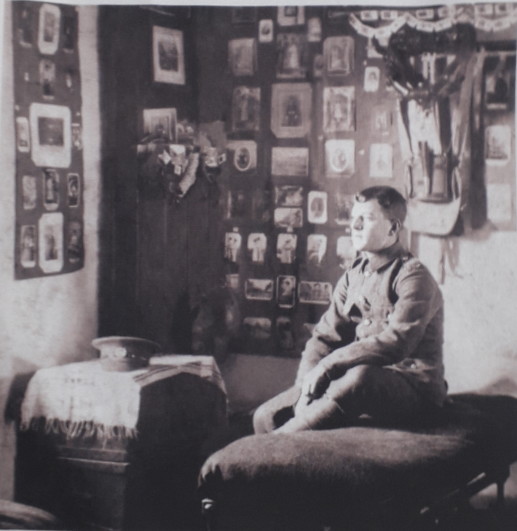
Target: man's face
[[371, 229]]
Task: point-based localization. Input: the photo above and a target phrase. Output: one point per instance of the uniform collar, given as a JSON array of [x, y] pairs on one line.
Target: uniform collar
[[375, 261]]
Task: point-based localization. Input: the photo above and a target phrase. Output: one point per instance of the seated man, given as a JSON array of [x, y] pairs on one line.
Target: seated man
[[377, 350]]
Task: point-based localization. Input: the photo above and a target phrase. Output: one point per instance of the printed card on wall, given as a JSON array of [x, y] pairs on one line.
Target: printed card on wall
[[49, 205], [338, 109], [340, 157], [168, 56]]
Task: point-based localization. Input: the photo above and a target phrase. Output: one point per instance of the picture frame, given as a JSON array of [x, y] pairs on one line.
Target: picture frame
[[314, 29], [246, 108], [372, 76], [291, 15], [232, 246], [74, 242], [29, 192], [338, 109], [343, 204], [243, 155], [47, 78], [25, 26], [290, 161], [316, 249], [498, 84], [242, 56], [28, 246], [287, 217], [258, 289], [317, 207], [340, 157], [50, 135], [160, 125], [291, 109], [288, 195], [50, 242], [49, 25], [381, 161], [266, 31], [498, 144], [292, 55], [286, 291], [73, 187], [339, 55], [257, 328], [286, 247], [23, 138], [168, 56], [257, 246], [51, 187], [314, 292]]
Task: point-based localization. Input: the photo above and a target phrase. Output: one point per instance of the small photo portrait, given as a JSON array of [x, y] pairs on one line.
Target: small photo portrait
[[25, 25], [288, 195], [314, 292], [317, 207], [237, 204], [338, 109], [232, 281], [74, 242], [499, 85], [372, 75], [339, 157], [28, 246], [257, 328], [244, 15], [50, 242], [243, 155], [29, 192], [168, 56], [50, 189], [290, 161], [498, 144], [288, 217], [48, 28], [242, 56], [265, 31], [285, 291], [292, 55], [261, 205], [381, 161], [260, 289], [314, 29], [286, 247], [339, 55], [284, 331], [47, 78], [73, 189], [69, 33], [345, 252], [343, 204], [23, 138], [316, 249], [291, 109], [246, 109], [382, 119], [291, 15], [77, 137], [257, 245], [160, 125], [232, 246]]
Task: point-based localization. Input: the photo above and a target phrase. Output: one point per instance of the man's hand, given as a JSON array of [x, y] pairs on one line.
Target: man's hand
[[314, 384]]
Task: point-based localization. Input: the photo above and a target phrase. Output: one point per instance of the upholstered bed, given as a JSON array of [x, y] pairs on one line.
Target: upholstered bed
[[362, 477]]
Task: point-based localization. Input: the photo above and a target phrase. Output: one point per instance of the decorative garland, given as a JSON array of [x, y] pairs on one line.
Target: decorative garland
[[456, 14]]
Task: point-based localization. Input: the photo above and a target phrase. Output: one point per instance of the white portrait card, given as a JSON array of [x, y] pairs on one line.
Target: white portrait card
[[49, 28], [50, 135], [50, 244]]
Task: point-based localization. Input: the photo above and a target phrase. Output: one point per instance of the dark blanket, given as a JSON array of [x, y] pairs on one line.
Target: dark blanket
[[360, 473]]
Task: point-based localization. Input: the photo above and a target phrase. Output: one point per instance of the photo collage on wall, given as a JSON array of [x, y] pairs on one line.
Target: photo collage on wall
[[48, 125], [297, 153]]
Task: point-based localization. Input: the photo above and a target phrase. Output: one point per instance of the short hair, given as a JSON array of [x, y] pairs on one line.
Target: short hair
[[391, 201]]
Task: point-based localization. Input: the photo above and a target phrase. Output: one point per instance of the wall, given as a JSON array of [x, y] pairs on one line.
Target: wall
[[46, 321]]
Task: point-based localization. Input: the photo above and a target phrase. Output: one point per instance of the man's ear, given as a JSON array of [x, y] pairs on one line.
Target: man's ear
[[396, 225]]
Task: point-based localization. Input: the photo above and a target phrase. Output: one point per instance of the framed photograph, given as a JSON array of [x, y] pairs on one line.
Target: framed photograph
[[292, 55], [343, 204], [265, 31], [338, 109], [340, 157], [49, 28], [77, 137], [257, 328], [261, 205], [246, 109], [382, 119], [232, 281], [498, 144], [314, 292], [288, 195], [291, 109], [284, 331], [316, 249], [244, 15], [339, 55], [232, 246], [372, 76], [50, 189], [243, 155], [257, 245], [259, 289], [242, 56], [286, 291], [345, 251], [498, 85], [317, 208], [160, 124], [50, 244], [47, 78], [288, 217], [314, 29], [290, 161], [286, 247], [50, 135], [381, 161], [237, 204], [23, 139], [168, 56], [291, 15], [29, 192], [25, 25], [28, 246], [73, 188], [74, 242]]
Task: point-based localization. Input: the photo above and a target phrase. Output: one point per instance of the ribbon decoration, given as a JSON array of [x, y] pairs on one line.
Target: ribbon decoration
[[456, 14]]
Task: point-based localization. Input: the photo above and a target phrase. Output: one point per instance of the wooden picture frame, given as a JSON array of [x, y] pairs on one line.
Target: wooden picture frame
[[168, 56], [291, 109]]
